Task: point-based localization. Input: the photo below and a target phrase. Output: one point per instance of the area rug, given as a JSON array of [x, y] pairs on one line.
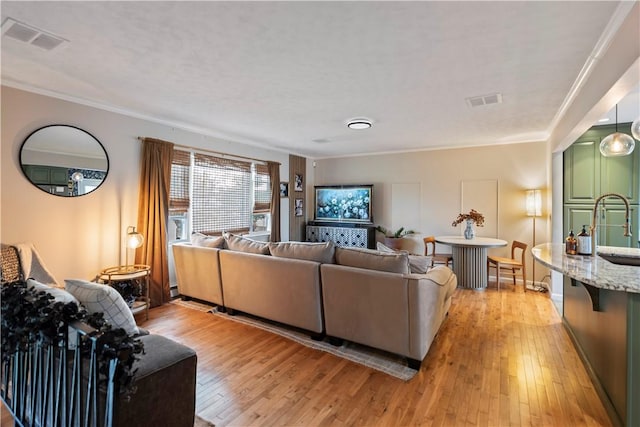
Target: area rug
[[201, 422], [379, 360]]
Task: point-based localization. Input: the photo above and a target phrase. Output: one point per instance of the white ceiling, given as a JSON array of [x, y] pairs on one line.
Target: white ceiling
[[288, 75]]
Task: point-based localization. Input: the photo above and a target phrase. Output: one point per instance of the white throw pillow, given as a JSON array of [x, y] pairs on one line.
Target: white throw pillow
[[98, 298], [59, 295], [419, 264]]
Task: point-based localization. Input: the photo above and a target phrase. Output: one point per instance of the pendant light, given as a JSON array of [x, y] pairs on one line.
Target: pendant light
[[635, 128], [617, 143]]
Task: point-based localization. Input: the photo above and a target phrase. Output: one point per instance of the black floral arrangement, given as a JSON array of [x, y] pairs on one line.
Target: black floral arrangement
[[129, 289], [29, 316]]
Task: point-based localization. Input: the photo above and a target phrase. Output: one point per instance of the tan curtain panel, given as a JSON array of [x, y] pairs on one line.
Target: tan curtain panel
[[153, 210], [274, 175]]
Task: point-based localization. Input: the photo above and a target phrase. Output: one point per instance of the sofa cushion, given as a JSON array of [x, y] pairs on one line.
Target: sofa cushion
[[319, 252], [418, 264], [244, 244], [199, 239], [370, 259], [98, 298]]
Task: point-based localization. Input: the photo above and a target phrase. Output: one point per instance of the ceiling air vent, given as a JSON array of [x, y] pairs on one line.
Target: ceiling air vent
[[477, 101], [28, 34]]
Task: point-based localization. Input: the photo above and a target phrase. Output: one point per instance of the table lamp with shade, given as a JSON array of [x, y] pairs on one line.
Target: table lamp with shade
[[134, 241], [534, 209]]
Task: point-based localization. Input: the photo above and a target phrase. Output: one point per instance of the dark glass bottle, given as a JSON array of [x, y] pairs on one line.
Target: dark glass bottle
[[571, 244]]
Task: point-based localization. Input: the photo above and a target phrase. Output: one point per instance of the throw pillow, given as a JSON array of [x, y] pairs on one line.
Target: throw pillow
[[373, 260], [59, 295], [199, 239], [318, 252], [96, 298], [244, 244], [383, 248], [418, 264]]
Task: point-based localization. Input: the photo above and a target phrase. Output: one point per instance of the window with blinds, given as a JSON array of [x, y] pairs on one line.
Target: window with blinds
[[261, 189], [221, 194], [179, 191]]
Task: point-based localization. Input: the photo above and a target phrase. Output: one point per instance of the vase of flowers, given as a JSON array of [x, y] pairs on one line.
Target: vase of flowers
[[469, 233], [471, 218]]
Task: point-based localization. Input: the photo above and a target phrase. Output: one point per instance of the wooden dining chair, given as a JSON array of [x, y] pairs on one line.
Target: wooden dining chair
[[510, 266], [430, 250]]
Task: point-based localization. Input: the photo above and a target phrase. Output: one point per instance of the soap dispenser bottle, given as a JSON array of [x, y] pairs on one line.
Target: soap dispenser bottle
[[584, 242], [571, 244]]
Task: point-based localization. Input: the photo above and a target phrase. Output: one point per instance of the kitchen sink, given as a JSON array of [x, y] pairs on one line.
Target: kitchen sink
[[621, 256]]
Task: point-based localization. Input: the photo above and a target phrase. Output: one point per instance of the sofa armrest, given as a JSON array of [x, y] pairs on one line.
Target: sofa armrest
[[429, 302], [198, 272], [165, 384]]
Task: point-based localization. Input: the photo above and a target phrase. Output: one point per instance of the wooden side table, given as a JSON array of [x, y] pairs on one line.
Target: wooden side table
[[139, 273]]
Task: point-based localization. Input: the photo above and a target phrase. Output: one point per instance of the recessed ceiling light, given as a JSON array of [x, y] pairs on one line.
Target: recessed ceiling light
[[606, 119], [359, 124]]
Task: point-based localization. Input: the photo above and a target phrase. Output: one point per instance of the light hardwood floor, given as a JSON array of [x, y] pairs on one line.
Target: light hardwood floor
[[500, 358]]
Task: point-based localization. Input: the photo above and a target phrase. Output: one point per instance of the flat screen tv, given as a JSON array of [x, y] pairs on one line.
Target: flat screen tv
[[344, 203]]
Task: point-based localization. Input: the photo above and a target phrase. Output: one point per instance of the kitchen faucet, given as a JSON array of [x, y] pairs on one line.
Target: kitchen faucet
[[625, 226]]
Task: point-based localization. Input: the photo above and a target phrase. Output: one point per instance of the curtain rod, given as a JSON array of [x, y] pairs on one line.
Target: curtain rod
[[207, 151]]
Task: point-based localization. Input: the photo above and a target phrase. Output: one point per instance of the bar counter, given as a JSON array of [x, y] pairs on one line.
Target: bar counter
[[601, 313]]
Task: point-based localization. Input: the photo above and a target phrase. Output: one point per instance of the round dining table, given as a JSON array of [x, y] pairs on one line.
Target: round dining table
[[470, 258]]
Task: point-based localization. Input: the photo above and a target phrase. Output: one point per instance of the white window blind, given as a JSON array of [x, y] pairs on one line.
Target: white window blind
[[179, 191], [221, 195], [262, 189]]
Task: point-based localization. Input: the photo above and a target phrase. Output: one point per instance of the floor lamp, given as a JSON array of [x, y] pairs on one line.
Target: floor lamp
[[534, 209]]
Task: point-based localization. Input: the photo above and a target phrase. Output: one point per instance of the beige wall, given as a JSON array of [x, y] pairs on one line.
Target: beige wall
[[438, 177], [79, 236]]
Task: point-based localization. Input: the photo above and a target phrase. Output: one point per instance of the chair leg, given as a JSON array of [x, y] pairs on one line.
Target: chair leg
[[498, 275], [488, 268], [513, 272]]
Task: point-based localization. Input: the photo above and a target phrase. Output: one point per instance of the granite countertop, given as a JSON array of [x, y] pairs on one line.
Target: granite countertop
[[595, 271]]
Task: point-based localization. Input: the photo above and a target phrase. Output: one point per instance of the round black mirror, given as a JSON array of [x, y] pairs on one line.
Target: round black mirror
[[64, 160]]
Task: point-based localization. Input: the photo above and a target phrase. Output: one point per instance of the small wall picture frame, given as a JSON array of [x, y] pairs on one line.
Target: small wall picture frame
[[298, 182], [284, 189], [299, 207]]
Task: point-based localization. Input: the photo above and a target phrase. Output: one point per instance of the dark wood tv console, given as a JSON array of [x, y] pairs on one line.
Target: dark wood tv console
[[343, 234]]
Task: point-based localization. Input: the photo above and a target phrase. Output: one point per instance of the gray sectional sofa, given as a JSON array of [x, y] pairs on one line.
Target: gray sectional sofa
[[164, 380], [360, 295]]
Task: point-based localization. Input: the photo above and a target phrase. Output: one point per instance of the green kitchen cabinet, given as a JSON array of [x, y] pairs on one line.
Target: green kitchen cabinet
[[58, 176], [37, 174], [52, 175], [609, 222], [582, 171], [588, 174]]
